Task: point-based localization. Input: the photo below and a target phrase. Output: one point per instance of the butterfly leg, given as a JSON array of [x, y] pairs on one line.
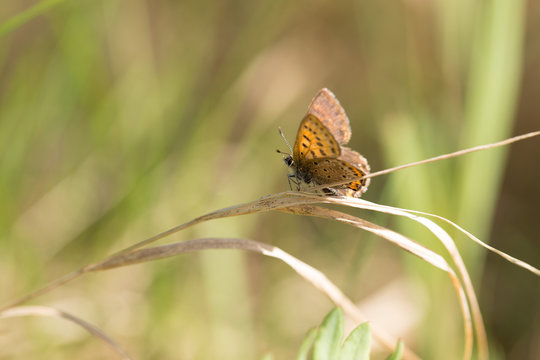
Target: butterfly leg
[[293, 179]]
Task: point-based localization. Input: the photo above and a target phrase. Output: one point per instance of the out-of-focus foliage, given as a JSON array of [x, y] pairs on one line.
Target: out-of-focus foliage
[[120, 119]]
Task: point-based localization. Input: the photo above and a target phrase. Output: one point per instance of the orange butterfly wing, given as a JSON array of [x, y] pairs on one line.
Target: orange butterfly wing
[[313, 141]]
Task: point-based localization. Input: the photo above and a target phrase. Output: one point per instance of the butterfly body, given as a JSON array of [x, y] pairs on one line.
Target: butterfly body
[[318, 155]]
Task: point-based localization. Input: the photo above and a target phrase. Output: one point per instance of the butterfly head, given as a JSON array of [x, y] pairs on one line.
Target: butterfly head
[[288, 160]]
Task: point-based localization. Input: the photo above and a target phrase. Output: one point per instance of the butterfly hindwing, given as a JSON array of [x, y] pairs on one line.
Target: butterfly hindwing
[[359, 162], [354, 158], [340, 174]]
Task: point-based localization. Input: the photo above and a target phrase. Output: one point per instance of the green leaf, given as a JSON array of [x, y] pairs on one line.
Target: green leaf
[[358, 344], [398, 353], [307, 343], [328, 341]]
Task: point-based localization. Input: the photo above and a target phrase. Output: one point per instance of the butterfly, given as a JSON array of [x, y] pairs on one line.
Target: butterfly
[[318, 157]]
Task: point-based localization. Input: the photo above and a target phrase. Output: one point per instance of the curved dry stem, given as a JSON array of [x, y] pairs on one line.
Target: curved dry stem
[[309, 273], [454, 253], [267, 203], [52, 312], [502, 254], [483, 349], [44, 290], [457, 153], [407, 245]]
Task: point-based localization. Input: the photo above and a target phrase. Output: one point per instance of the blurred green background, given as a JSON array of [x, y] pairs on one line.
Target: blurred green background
[[120, 119]]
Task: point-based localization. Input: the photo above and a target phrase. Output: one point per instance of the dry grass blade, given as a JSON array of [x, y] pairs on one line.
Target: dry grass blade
[[457, 153], [314, 276], [396, 238], [51, 312], [454, 253], [406, 244], [267, 203], [502, 254], [462, 270]]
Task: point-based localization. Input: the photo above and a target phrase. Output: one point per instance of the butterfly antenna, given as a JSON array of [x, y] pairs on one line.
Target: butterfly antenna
[[285, 139]]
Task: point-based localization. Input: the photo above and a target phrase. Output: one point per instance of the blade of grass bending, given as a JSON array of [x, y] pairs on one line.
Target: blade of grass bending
[[52, 312], [406, 244], [450, 246], [314, 276]]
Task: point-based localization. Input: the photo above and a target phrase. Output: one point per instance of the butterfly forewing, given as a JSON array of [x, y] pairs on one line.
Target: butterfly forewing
[[329, 111], [313, 141]]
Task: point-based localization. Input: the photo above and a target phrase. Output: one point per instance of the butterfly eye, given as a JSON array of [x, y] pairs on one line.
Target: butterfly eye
[[288, 160]]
